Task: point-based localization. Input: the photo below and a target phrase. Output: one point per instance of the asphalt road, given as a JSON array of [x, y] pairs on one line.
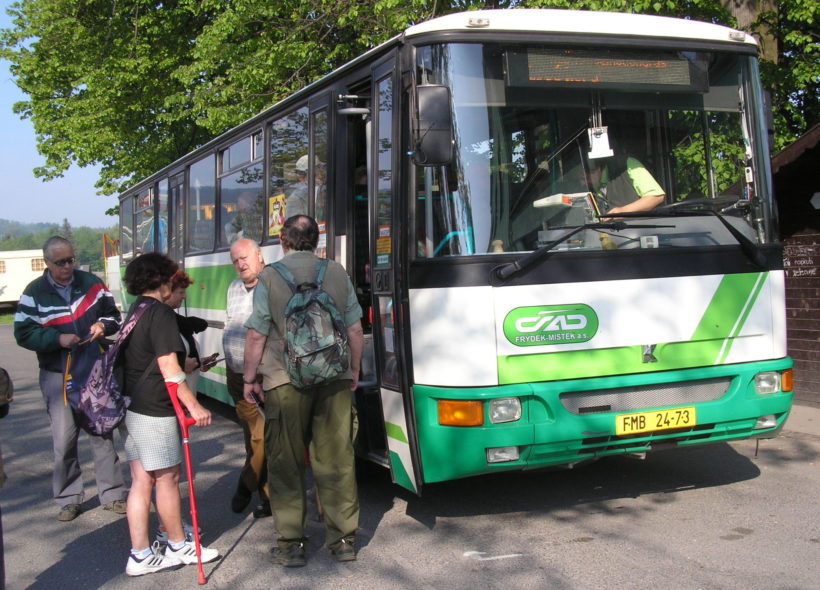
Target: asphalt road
[[715, 517]]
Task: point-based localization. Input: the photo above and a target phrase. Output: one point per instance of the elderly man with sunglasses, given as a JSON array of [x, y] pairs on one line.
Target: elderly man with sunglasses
[[55, 312]]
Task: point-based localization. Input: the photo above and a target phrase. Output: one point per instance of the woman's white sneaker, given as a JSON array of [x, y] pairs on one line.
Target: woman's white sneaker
[[154, 562], [187, 553], [162, 535]]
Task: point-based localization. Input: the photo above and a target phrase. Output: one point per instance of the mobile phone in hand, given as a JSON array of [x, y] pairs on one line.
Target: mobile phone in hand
[[210, 361]]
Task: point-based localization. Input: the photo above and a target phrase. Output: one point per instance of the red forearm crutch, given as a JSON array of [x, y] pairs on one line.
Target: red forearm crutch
[[184, 423]]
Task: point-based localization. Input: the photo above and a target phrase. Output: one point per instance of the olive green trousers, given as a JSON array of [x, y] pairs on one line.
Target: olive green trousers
[[322, 419]]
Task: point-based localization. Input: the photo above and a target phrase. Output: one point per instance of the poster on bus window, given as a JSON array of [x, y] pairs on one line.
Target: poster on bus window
[[383, 249], [321, 246], [276, 219]]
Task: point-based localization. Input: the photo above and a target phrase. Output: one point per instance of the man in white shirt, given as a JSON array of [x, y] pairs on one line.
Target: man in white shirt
[[246, 257]]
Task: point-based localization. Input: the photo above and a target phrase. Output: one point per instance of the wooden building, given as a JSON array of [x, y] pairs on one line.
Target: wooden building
[[797, 189]]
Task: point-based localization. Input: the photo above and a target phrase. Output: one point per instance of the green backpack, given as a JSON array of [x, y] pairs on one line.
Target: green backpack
[[316, 348]]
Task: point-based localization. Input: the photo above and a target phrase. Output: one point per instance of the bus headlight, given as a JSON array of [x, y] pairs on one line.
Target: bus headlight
[[502, 454], [767, 382], [505, 409]]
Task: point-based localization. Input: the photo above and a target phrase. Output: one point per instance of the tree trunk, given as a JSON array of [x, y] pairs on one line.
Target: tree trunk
[[746, 13]]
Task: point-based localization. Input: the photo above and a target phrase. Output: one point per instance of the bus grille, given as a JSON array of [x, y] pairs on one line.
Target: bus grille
[[646, 396]]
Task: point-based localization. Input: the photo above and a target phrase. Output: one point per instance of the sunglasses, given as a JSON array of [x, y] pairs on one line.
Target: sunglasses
[[64, 261]]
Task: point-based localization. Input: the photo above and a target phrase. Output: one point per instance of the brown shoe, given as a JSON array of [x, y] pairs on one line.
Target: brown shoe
[[69, 512], [117, 507], [345, 550]]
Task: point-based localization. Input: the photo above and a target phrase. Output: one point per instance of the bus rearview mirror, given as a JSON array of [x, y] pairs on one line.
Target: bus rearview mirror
[[433, 144]]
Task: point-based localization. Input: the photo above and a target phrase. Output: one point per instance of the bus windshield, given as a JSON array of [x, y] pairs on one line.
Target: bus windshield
[[550, 138]]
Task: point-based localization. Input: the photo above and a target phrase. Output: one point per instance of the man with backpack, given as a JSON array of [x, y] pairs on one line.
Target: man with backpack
[[55, 312], [305, 338]]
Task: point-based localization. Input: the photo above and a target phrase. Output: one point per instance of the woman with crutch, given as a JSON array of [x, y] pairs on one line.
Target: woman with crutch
[[153, 355]]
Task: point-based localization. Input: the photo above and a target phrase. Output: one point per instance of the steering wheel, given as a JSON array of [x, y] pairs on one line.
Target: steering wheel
[[700, 204]]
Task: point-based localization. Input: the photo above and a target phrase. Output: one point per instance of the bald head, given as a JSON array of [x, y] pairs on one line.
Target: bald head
[[246, 257]]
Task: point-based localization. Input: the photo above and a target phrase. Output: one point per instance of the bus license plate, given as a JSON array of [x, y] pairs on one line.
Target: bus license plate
[[655, 420]]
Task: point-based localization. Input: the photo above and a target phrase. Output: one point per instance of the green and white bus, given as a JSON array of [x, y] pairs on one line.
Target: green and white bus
[[510, 324]]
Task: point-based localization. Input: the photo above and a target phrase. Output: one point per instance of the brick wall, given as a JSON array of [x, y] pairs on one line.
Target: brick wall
[[801, 259]]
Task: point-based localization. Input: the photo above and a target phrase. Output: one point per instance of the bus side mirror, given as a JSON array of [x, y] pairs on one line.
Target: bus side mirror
[[433, 141]]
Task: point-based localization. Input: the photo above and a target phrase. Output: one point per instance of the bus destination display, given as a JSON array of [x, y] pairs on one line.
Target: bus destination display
[[537, 66]]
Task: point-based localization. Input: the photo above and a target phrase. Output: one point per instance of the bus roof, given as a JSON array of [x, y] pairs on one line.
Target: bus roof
[[581, 22]]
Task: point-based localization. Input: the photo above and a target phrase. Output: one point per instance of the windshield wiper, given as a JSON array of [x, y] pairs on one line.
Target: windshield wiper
[[504, 271], [697, 208]]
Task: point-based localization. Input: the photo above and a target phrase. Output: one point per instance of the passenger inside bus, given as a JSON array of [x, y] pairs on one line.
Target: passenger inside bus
[[297, 203], [618, 180], [247, 223], [621, 183]]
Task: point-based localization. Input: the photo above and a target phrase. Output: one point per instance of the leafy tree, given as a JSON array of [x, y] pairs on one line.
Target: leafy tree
[[65, 230], [98, 74], [132, 85]]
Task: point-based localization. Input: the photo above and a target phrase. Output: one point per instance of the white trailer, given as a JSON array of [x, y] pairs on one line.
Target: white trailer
[[17, 269]]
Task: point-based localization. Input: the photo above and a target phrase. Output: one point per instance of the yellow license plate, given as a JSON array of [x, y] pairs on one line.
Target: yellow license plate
[[655, 420]]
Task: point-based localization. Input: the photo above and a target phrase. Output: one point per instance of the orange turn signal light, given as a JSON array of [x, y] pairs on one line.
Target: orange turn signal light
[[787, 380], [460, 413]]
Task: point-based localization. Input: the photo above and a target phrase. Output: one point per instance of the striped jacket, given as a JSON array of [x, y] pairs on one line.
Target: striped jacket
[[42, 315]]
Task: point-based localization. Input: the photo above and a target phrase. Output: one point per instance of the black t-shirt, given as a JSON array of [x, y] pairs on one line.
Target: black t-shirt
[[155, 335]]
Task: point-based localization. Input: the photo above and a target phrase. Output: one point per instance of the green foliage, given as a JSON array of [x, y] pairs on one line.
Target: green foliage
[[98, 74], [132, 85], [15, 229], [795, 79], [276, 48], [87, 241]]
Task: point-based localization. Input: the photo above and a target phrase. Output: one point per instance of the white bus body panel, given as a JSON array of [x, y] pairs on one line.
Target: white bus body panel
[[458, 333]]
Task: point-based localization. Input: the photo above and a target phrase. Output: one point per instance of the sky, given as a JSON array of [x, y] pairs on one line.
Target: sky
[[24, 197]]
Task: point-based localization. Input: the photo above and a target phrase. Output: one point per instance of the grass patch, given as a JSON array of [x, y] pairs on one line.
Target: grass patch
[[6, 317]]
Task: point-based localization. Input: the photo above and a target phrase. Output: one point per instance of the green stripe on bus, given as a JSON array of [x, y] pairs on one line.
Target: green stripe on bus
[[395, 432], [710, 344], [574, 364], [210, 287], [727, 312], [400, 475]]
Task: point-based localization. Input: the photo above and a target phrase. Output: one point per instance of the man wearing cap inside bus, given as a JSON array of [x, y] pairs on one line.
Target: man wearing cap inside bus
[[297, 202]]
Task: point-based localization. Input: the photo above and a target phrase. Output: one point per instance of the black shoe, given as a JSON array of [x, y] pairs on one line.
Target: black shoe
[[263, 510], [345, 551], [241, 499], [291, 556]]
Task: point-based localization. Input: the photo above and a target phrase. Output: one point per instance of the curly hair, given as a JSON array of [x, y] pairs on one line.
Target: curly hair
[[300, 233], [147, 272], [180, 280]]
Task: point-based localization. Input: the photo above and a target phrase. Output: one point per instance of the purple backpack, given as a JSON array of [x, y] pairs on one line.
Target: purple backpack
[[99, 403]]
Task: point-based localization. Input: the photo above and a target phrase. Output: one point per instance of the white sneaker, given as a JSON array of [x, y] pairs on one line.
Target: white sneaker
[[153, 562], [187, 529], [187, 553]]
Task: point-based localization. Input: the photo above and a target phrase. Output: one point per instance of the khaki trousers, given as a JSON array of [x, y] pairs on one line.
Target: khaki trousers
[[254, 474]]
